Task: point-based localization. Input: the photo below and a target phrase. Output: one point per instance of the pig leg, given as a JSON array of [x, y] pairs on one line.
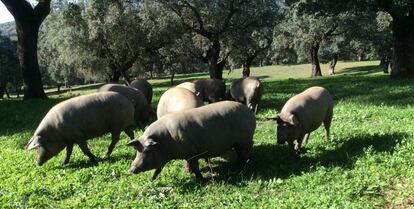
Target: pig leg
[[327, 123], [129, 132], [69, 149], [85, 149], [298, 146], [243, 154], [255, 108], [155, 174], [115, 139], [305, 138], [193, 168]]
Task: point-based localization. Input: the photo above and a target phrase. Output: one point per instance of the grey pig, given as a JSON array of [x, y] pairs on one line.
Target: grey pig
[[204, 132], [212, 90], [144, 86], [81, 118], [191, 87], [248, 91], [177, 99], [142, 108], [303, 114]]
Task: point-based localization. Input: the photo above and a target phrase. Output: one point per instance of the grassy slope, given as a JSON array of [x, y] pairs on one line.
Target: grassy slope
[[367, 163]]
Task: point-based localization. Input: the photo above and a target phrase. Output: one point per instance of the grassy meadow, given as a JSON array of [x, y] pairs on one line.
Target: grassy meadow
[[367, 163]]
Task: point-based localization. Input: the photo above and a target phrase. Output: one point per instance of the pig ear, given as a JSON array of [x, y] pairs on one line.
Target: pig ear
[[151, 143], [293, 120], [33, 143], [136, 144]]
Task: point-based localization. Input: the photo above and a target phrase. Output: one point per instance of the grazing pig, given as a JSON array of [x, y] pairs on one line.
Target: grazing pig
[[303, 114], [177, 99], [212, 90], [191, 87], [248, 91], [142, 108], [81, 118], [204, 132], [144, 86]]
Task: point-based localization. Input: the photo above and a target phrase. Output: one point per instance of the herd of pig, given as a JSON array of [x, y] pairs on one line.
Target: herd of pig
[[185, 128]]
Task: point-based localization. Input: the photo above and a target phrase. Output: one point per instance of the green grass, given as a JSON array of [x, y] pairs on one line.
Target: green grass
[[368, 163]]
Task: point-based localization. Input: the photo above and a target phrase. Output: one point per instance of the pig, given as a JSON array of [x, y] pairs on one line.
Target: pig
[[212, 90], [192, 87], [204, 132], [78, 119], [144, 86], [177, 99], [142, 108], [247, 90], [303, 114]]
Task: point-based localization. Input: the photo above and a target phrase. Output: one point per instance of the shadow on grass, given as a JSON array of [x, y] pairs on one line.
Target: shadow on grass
[[23, 115], [81, 88], [86, 163], [278, 161]]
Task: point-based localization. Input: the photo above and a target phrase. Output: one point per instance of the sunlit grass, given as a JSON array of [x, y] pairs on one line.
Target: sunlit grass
[[367, 163]]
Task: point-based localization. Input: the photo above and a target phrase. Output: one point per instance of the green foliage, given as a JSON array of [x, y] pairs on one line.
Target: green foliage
[[366, 164], [10, 75]]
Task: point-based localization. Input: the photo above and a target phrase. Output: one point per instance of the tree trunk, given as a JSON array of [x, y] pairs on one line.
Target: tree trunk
[[316, 67], [385, 62], [246, 66], [2, 89], [115, 76], [402, 61], [246, 70], [215, 70], [172, 77], [28, 21], [360, 57], [7, 93], [332, 64], [27, 51]]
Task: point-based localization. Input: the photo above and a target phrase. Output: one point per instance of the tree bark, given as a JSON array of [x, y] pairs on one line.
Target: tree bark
[[246, 66], [332, 64], [172, 77], [402, 61], [28, 21], [2, 90], [316, 67], [215, 70], [385, 62], [114, 78], [360, 57]]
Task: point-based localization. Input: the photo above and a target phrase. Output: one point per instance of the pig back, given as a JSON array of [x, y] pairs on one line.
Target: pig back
[[137, 98], [144, 86], [310, 107], [246, 89], [87, 116], [210, 130], [177, 99]]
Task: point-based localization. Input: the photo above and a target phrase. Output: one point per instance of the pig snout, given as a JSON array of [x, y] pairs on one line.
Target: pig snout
[[134, 169]]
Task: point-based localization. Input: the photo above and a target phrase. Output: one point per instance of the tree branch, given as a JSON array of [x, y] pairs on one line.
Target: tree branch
[[227, 20], [41, 11]]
